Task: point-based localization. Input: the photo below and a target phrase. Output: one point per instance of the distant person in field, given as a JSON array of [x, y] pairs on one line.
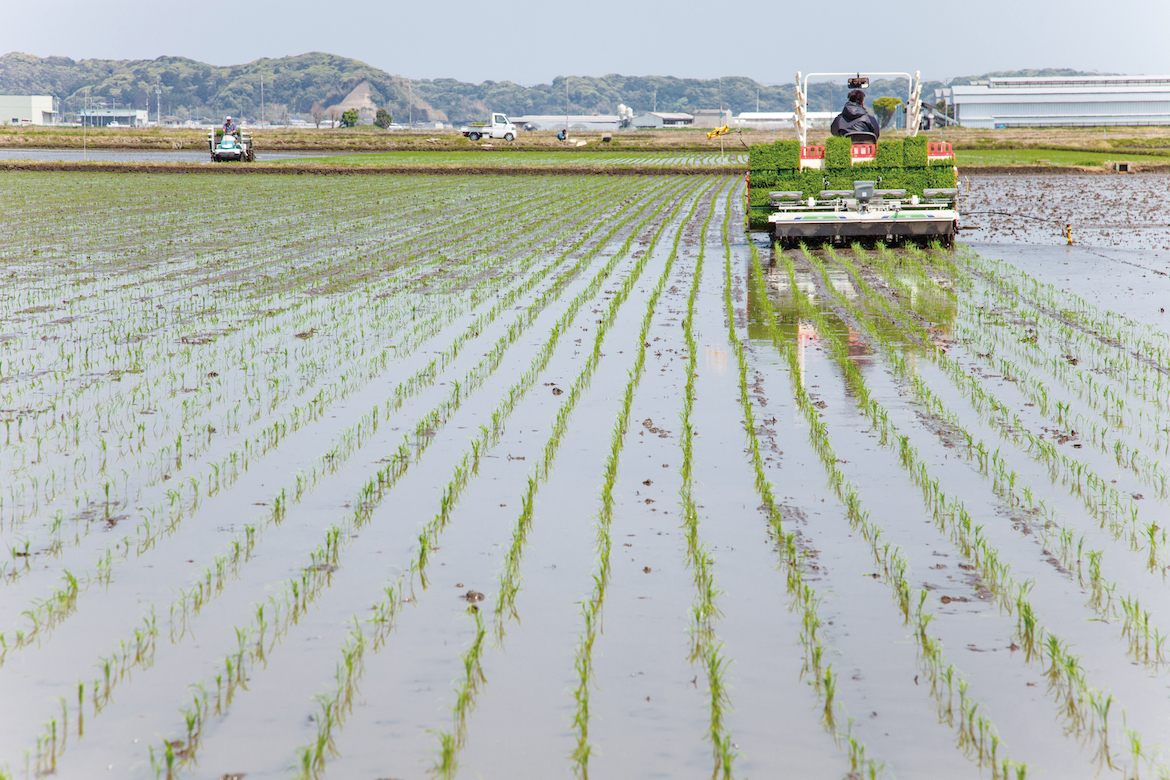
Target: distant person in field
[[854, 118], [562, 135]]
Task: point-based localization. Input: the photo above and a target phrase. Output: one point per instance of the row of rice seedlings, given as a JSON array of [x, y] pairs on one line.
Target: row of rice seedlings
[[170, 228], [446, 763], [312, 758], [349, 441], [1083, 707], [990, 344], [308, 587], [139, 359], [1130, 337], [114, 666], [1147, 469], [178, 460], [706, 649], [1114, 511], [510, 577], [192, 403], [371, 494], [803, 598], [134, 343], [1023, 339], [1145, 642], [591, 607], [1116, 378], [975, 733]]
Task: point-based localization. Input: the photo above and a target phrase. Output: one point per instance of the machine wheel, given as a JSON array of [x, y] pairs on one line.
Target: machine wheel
[[509, 137], [473, 136]]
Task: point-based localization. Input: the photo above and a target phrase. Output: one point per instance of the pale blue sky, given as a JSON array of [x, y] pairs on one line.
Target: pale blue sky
[[530, 42]]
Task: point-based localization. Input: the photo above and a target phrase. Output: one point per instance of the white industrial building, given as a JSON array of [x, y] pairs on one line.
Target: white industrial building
[[117, 117], [1064, 100], [781, 120], [599, 122], [27, 110]]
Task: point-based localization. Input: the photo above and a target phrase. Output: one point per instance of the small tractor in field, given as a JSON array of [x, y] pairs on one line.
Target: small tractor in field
[[854, 187], [235, 147]]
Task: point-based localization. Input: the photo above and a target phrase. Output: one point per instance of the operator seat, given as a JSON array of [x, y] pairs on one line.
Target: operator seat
[[862, 138]]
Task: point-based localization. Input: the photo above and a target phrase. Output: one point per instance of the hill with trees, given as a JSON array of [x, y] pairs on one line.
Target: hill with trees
[[294, 85]]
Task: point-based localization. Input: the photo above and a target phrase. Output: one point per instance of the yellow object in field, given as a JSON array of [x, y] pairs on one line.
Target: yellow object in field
[[718, 131]]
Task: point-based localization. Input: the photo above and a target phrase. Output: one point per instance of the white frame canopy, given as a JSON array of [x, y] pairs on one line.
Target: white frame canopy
[[800, 104]]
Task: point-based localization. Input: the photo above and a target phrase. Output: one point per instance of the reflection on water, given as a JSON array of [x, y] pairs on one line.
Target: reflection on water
[[715, 359], [924, 299]]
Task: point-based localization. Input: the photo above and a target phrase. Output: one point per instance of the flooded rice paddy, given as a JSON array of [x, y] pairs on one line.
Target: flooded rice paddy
[[507, 158], [118, 155], [570, 156], [566, 477]]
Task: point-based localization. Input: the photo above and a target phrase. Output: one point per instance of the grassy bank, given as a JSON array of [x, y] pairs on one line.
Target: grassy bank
[[357, 139]]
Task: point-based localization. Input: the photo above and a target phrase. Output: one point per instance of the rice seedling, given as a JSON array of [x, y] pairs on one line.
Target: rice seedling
[[975, 731]]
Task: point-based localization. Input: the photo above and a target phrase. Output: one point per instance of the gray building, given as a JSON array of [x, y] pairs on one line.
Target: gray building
[[712, 117], [1054, 101], [656, 119], [27, 110], [124, 117]]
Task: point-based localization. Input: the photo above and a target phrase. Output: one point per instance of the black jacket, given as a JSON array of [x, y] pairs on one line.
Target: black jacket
[[855, 119]]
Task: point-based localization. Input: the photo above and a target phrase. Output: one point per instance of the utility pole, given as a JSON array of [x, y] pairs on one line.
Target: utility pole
[[84, 125], [721, 116], [261, 98], [158, 103], [566, 106], [410, 104], [655, 103], [757, 100]]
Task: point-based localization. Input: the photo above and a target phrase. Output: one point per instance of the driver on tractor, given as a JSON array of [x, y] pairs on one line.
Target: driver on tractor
[[855, 122], [230, 127]]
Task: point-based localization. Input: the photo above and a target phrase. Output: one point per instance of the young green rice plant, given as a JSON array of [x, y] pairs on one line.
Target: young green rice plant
[[1068, 683], [278, 428], [1098, 496], [889, 557], [303, 593], [591, 608], [205, 590], [1135, 628], [803, 597], [705, 644]]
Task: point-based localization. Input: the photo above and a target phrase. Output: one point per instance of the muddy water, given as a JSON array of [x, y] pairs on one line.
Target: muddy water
[[1120, 255]]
